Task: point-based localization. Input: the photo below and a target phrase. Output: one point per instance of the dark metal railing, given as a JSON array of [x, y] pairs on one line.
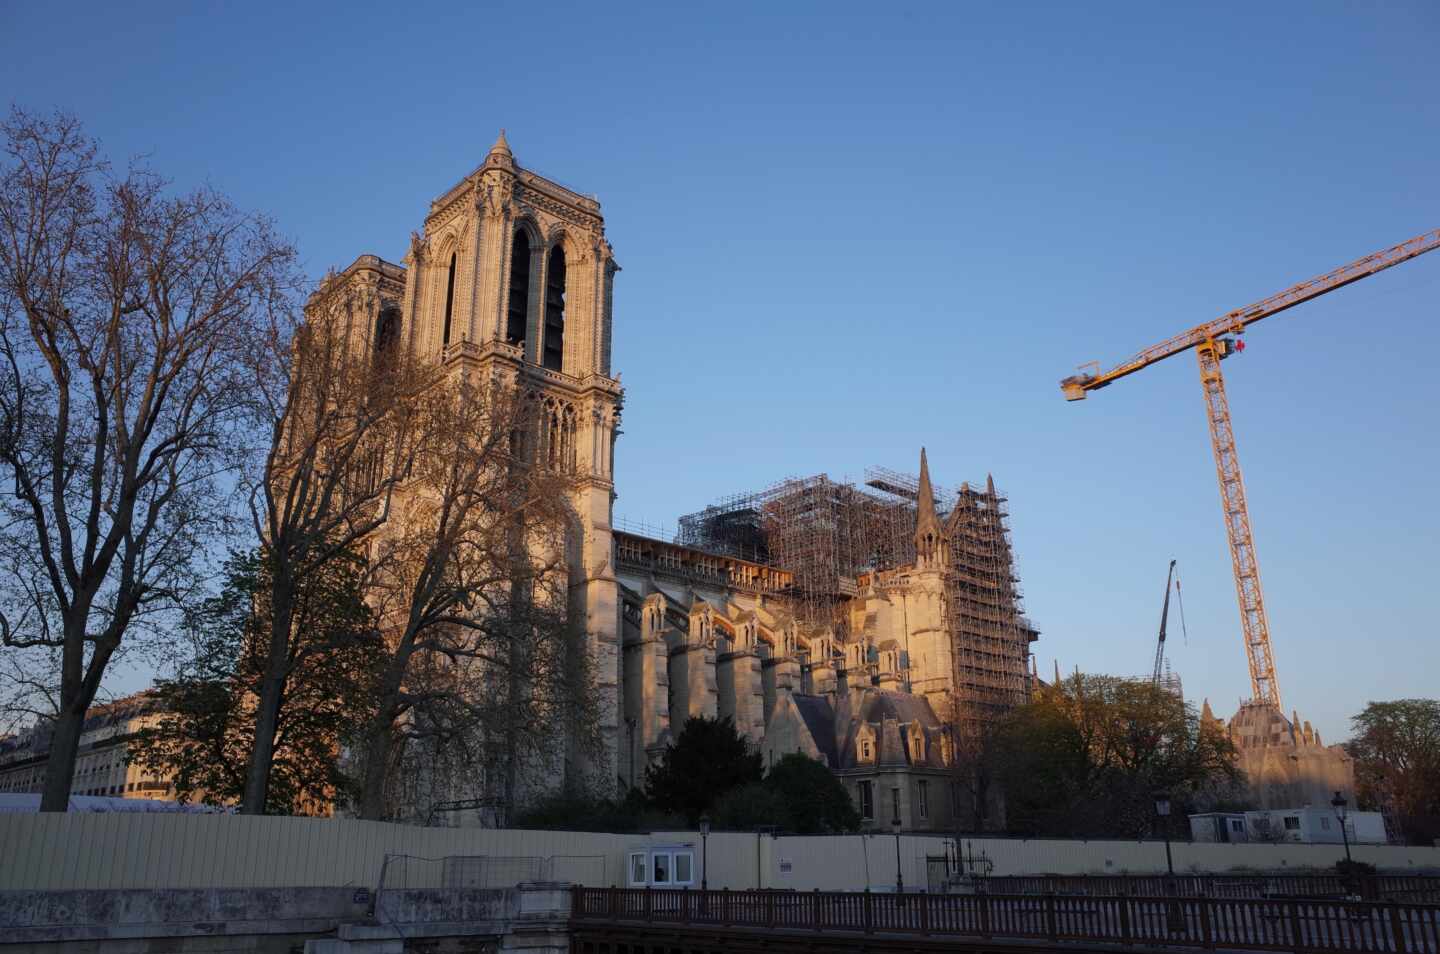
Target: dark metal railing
[[1369, 888], [1300, 925]]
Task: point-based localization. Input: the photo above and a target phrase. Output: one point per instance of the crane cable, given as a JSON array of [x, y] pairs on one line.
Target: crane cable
[[1180, 600]]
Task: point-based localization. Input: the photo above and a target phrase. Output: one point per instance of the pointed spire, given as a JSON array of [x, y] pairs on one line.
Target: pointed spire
[[1057, 671], [500, 154], [1206, 713], [928, 533], [990, 484]]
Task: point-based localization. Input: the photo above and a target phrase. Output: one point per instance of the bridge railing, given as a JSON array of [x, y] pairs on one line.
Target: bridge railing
[[1372, 888], [1296, 924]]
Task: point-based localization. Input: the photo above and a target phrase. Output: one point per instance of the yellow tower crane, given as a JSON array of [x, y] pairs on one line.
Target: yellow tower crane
[[1212, 345]]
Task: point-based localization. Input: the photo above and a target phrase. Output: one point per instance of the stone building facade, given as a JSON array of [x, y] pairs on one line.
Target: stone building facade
[[102, 765], [510, 277], [1286, 763], [871, 693]]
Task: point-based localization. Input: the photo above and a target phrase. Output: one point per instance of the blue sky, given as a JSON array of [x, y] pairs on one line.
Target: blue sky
[[850, 230]]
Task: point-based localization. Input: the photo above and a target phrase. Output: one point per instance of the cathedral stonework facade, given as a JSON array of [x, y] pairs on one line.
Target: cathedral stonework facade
[[511, 278], [859, 665]]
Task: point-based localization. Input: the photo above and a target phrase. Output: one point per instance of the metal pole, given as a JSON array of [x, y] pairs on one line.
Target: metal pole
[[899, 876], [705, 861]]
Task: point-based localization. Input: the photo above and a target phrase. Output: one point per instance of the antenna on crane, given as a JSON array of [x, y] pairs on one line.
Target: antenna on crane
[[1164, 617]]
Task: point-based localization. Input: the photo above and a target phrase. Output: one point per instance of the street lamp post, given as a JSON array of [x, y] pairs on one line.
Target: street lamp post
[[1339, 804], [1162, 809], [1348, 880], [899, 877], [704, 852]]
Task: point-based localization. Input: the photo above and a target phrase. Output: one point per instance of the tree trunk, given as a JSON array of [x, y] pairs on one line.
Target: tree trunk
[[60, 768], [78, 685], [377, 762], [380, 739], [267, 707], [262, 751]]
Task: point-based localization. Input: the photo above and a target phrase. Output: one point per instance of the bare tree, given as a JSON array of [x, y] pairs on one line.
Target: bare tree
[[129, 319], [341, 441], [471, 590]]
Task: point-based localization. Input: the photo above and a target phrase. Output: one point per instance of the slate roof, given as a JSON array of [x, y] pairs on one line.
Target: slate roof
[[888, 712]]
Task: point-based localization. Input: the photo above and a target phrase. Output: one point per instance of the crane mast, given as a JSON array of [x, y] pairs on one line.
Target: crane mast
[[1164, 616], [1211, 345]]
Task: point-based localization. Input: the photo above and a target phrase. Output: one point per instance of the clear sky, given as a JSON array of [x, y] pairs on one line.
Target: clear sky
[[850, 230]]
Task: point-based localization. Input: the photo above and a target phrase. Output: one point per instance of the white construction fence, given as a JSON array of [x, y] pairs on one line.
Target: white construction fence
[[76, 851]]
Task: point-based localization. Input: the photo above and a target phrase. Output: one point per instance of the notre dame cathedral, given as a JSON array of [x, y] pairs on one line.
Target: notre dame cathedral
[[872, 663]]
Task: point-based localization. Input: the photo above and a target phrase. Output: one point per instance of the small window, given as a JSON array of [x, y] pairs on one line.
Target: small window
[[865, 749], [637, 867], [683, 867], [867, 801], [662, 869], [1292, 823], [1324, 823], [923, 797], [1237, 825]]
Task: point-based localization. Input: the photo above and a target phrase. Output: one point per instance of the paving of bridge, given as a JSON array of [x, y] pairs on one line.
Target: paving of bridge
[[639, 921]]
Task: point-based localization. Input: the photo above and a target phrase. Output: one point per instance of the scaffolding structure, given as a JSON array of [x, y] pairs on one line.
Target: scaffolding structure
[[827, 533], [990, 635]]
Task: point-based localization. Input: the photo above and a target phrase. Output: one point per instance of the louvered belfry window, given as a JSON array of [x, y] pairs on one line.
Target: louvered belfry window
[[555, 310], [449, 300], [519, 310]]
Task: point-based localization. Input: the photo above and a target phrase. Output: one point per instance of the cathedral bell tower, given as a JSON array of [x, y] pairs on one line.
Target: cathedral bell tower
[[511, 279]]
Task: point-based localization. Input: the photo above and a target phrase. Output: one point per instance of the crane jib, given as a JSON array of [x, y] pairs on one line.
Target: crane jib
[[1076, 386]]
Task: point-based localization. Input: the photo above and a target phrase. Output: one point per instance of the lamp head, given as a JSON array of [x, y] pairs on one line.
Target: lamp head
[[1162, 804], [1339, 802], [705, 824]]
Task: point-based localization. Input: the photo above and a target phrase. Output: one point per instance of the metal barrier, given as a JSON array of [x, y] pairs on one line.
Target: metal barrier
[[1297, 925], [1421, 888]]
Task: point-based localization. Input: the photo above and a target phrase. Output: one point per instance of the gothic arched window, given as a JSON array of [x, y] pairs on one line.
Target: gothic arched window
[[387, 335], [449, 300], [555, 311], [519, 310]]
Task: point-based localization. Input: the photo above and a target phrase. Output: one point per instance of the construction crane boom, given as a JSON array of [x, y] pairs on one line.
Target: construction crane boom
[[1078, 386], [1211, 347], [1164, 616]]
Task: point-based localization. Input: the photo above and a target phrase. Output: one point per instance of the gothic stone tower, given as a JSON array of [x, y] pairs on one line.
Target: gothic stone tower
[[511, 278]]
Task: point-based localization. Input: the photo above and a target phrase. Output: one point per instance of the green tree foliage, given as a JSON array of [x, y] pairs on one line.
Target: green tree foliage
[[1086, 757], [747, 808], [811, 799], [707, 759], [584, 812], [1396, 748], [205, 718]]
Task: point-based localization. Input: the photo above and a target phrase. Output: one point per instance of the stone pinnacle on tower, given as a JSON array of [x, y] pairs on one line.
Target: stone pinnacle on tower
[[500, 154], [928, 532]]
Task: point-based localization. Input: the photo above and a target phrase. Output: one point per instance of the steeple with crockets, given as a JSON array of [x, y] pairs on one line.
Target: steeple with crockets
[[929, 535]]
